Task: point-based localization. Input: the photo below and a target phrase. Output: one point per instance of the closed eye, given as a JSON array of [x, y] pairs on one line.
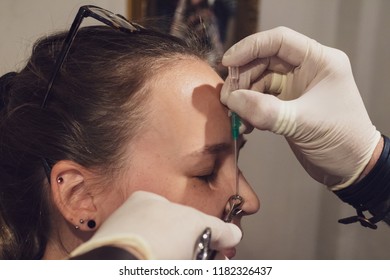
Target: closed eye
[[208, 177]]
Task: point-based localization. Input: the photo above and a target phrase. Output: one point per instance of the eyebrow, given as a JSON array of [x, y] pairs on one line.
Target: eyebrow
[[214, 149], [217, 148]]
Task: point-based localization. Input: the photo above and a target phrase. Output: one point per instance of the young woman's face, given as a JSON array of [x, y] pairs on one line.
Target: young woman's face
[[185, 152]]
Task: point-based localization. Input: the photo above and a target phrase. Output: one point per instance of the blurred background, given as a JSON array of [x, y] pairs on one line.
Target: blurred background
[[298, 217]]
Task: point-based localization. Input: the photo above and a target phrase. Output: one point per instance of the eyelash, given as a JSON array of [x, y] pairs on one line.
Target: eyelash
[[207, 178]]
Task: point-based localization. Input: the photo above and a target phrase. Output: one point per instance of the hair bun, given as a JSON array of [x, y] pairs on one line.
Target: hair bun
[[5, 85]]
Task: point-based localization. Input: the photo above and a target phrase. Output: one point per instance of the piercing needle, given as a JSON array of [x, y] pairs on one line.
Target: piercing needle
[[235, 120]]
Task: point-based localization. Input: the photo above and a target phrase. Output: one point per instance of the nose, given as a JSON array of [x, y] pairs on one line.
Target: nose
[[251, 202]]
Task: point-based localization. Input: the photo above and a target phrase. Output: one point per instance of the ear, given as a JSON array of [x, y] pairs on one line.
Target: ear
[[70, 186]]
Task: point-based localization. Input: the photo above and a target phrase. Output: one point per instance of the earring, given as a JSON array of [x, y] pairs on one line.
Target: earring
[[60, 180], [91, 224]]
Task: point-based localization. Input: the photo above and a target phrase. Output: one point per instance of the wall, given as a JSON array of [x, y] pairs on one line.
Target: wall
[[22, 22], [298, 217]]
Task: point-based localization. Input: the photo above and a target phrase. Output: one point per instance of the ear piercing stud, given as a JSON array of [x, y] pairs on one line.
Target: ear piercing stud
[[60, 180], [91, 224]]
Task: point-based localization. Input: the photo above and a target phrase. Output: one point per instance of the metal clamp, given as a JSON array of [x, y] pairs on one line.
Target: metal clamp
[[235, 202], [202, 250]]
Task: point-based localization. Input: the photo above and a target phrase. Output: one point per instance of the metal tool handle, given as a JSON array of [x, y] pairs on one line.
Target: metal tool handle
[[202, 250]]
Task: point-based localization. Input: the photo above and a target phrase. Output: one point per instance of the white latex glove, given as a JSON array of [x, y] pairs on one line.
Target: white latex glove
[[151, 227], [305, 91]]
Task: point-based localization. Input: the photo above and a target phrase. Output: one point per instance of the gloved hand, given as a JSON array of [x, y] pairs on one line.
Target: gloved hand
[[151, 227], [303, 90]]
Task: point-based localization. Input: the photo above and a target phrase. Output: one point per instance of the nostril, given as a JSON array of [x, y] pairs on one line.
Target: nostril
[[233, 207]]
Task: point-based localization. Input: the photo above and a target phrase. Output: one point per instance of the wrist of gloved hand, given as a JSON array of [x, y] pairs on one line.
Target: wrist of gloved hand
[[371, 193], [151, 227]]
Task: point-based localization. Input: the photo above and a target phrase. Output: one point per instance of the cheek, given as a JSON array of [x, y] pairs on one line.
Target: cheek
[[172, 182], [210, 197], [204, 198], [150, 181], [109, 202]]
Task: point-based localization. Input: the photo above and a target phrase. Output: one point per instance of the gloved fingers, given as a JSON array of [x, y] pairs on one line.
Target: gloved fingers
[[247, 75], [290, 46], [245, 127], [269, 82], [276, 64], [255, 70], [258, 68], [256, 79], [224, 235], [251, 72], [260, 110]]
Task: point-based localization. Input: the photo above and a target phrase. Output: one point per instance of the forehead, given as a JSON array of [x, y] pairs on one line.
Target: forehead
[[185, 106]]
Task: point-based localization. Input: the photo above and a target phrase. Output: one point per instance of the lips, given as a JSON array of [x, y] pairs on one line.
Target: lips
[[229, 253]]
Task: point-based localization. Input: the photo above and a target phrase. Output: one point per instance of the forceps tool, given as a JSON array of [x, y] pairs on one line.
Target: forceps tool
[[202, 249]]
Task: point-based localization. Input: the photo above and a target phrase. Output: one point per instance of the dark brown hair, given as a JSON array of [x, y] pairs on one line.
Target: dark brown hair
[[96, 105]]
